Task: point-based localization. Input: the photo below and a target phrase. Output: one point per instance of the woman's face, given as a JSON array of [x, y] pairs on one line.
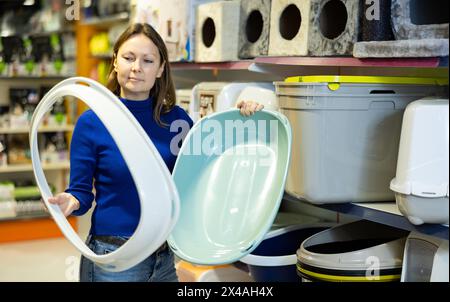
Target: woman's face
[[137, 65]]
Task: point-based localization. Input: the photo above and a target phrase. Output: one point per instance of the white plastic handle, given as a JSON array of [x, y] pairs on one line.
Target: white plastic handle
[[159, 200]]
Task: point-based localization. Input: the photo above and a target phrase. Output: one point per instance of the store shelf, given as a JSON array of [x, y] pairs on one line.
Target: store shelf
[[32, 227], [103, 56], [106, 22], [26, 217], [57, 77], [66, 30], [315, 61], [354, 62], [383, 212], [65, 128], [29, 167], [235, 65]]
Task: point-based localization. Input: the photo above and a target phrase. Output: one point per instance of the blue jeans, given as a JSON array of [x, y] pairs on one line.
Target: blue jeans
[[158, 267]]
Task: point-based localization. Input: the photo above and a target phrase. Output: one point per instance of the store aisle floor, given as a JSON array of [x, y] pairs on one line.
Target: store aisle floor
[[47, 260]]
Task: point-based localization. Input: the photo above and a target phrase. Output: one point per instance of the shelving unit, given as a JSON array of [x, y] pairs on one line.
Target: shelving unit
[[106, 22], [234, 65], [26, 217], [386, 212], [36, 225], [187, 74], [278, 68], [381, 212], [316, 61], [59, 77], [31, 227], [29, 167], [63, 128], [353, 62]]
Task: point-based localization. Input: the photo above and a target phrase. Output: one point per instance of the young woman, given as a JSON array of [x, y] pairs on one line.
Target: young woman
[[140, 76]]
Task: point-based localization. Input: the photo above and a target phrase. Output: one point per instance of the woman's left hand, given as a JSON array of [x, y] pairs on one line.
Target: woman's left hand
[[249, 107]]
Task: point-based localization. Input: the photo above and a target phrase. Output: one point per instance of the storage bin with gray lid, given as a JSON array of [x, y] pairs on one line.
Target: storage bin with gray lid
[[361, 251], [346, 132]]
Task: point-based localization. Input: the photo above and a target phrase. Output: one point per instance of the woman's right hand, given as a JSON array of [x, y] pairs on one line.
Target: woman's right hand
[[66, 201]]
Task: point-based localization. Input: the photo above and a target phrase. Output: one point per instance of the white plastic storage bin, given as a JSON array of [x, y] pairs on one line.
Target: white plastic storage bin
[[210, 97], [425, 259], [421, 183], [346, 132], [358, 251]]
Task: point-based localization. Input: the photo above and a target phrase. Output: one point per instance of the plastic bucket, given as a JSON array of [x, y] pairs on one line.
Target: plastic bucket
[[361, 251], [274, 259]]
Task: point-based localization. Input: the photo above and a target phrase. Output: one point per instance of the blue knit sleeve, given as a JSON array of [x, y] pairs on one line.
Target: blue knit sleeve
[[183, 115], [83, 161]]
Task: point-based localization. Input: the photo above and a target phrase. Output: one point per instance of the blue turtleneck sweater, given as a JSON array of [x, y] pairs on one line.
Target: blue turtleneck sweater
[[96, 161]]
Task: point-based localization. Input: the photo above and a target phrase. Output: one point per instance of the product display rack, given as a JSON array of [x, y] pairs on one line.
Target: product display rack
[[276, 68], [106, 22], [316, 61], [381, 212], [384, 212], [271, 69], [26, 217], [29, 167], [34, 225], [62, 128]]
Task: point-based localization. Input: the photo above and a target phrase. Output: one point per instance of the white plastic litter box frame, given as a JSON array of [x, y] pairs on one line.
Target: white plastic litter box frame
[[158, 215], [257, 260]]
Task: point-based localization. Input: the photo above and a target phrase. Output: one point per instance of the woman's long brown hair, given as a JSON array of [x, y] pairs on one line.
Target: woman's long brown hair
[[163, 91]]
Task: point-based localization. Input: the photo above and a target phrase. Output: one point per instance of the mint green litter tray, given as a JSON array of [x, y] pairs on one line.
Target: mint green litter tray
[[230, 181]]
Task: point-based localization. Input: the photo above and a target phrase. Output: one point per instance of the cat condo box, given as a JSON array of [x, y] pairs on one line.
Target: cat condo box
[[346, 133], [175, 21], [184, 97], [421, 182], [210, 97]]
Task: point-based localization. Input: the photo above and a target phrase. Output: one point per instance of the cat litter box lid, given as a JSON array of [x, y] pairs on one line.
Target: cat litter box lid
[[231, 193], [149, 172], [422, 166]]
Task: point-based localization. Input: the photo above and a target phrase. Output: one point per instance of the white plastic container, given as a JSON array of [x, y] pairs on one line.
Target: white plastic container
[[421, 182], [263, 95], [354, 252], [346, 132], [274, 260], [210, 97], [425, 259]]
